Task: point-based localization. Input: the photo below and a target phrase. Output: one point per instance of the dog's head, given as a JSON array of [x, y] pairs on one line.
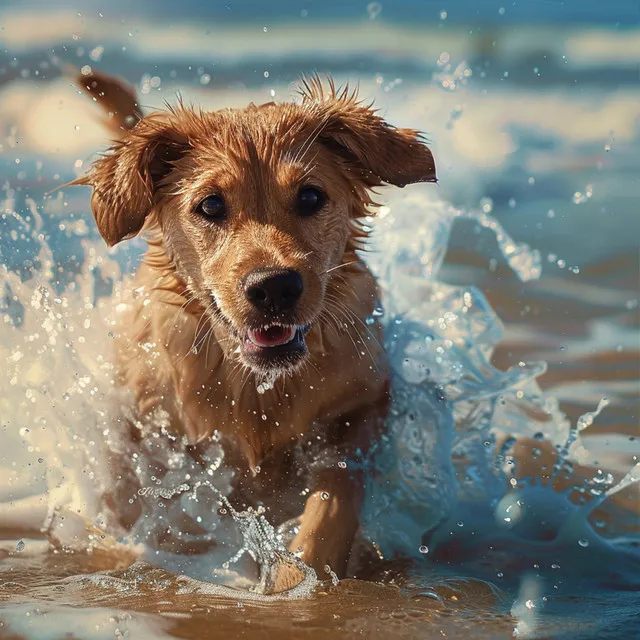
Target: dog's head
[[256, 207]]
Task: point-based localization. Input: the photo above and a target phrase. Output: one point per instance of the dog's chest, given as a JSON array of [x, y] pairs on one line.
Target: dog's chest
[[296, 408], [203, 391]]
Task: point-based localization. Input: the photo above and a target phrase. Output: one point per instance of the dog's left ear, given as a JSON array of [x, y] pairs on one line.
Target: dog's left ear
[[126, 180], [377, 151]]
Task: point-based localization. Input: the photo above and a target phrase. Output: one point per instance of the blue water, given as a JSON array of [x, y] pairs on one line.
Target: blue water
[[534, 119], [490, 12]]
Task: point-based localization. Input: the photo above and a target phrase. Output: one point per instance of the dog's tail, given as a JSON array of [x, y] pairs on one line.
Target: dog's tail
[[117, 99]]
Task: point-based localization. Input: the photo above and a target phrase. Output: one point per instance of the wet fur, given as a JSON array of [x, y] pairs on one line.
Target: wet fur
[[185, 299]]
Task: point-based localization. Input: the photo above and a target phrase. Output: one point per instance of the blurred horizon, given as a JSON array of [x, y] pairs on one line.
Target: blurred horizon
[[532, 107], [622, 13]]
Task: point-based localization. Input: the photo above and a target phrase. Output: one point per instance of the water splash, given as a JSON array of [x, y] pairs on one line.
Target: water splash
[[525, 608], [439, 463], [584, 421], [374, 9], [525, 262], [449, 77]]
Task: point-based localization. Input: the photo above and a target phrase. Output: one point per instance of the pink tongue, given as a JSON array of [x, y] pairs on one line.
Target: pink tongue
[[273, 336]]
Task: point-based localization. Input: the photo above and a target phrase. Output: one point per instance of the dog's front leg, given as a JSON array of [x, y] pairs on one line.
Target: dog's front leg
[[330, 521], [327, 527], [331, 516]]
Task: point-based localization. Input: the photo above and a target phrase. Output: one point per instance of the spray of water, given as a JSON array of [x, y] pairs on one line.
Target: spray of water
[[451, 405]]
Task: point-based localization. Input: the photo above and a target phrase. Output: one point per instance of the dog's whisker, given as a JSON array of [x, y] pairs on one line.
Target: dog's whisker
[[173, 324], [345, 329], [350, 314], [193, 347], [248, 373], [357, 318], [340, 266]]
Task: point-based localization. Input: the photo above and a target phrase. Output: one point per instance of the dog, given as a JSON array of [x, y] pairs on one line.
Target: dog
[[250, 318]]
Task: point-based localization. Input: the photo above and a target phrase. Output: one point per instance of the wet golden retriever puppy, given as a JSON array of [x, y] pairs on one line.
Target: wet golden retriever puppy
[[252, 294]]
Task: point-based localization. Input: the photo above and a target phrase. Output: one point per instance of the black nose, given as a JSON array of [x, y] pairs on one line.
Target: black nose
[[273, 291]]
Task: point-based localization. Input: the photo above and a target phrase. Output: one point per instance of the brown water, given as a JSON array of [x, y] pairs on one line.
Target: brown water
[[53, 597]]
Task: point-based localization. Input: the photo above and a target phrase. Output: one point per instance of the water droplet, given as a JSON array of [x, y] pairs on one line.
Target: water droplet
[[342, 464], [486, 204], [324, 495], [20, 545], [555, 566], [583, 542], [423, 549], [374, 9]]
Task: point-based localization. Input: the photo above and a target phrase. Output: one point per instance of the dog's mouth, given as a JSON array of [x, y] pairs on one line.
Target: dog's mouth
[[275, 347], [275, 335]]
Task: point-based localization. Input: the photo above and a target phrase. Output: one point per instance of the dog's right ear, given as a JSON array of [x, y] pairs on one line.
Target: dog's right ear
[[126, 180]]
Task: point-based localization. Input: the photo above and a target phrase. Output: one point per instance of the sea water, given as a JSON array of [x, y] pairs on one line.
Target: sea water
[[482, 491], [445, 467]]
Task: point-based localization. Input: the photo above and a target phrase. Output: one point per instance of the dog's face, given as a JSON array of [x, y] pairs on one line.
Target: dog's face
[[256, 208], [256, 225]]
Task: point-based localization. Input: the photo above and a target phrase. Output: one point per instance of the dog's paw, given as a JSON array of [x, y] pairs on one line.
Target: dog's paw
[[286, 573], [287, 576]]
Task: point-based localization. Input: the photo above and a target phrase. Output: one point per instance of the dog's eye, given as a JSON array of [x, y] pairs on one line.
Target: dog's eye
[[310, 201], [212, 207]]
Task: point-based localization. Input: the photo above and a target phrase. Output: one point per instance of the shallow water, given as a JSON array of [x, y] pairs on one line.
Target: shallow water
[[504, 500]]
